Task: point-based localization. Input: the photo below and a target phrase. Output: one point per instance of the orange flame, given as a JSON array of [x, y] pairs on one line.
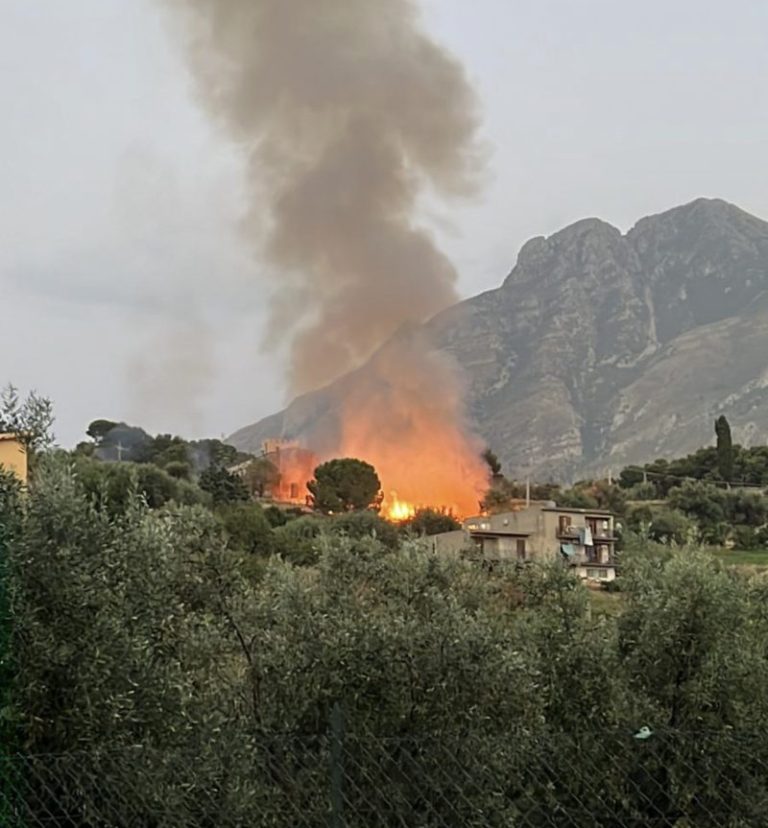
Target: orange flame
[[396, 510], [406, 417]]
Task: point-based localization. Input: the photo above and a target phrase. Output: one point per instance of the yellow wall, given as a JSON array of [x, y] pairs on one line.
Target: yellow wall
[[13, 457]]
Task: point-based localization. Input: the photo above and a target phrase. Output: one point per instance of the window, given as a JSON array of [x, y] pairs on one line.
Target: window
[[602, 574], [592, 574], [521, 549], [565, 524], [294, 491]]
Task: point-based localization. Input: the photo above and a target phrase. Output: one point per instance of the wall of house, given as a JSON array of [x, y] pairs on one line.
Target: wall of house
[[526, 522], [13, 457], [451, 541], [296, 467], [552, 537], [604, 574], [540, 524]]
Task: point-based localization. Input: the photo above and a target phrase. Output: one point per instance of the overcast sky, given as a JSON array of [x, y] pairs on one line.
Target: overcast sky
[[120, 260]]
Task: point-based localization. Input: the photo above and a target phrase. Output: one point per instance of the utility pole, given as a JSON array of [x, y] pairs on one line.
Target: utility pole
[[527, 492]]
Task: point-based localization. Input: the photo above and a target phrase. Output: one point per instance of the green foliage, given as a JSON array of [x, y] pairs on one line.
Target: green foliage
[[298, 540], [99, 429], [115, 617], [503, 493], [706, 504], [145, 627], [492, 461], [223, 486], [345, 485], [577, 498], [642, 491], [750, 467], [166, 449], [663, 525], [247, 528], [689, 646], [720, 512], [747, 537], [431, 522], [276, 516], [182, 458], [724, 448], [85, 449], [31, 419], [114, 486], [179, 470], [365, 524], [10, 525]]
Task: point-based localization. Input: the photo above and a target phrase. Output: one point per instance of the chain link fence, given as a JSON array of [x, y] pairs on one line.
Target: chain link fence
[[364, 780]]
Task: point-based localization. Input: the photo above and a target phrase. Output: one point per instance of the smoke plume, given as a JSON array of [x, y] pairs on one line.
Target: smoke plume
[[347, 112]]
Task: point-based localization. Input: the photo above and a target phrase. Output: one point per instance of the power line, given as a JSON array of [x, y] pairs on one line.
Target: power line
[[741, 484]]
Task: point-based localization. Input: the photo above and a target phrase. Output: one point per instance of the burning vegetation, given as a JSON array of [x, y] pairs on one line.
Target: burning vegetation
[[347, 113]]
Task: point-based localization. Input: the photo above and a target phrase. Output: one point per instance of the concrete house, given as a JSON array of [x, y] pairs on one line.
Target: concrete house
[[582, 538], [295, 467], [13, 456]]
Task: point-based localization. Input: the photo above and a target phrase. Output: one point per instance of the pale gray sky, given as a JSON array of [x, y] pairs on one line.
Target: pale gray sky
[[120, 261]]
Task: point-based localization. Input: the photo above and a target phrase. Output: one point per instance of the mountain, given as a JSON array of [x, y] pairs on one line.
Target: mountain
[[602, 349]]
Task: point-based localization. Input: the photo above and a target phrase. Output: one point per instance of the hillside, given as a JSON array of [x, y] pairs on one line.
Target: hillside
[[602, 349]]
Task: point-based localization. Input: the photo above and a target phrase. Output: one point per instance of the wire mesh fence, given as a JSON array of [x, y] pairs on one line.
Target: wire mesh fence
[[358, 779]]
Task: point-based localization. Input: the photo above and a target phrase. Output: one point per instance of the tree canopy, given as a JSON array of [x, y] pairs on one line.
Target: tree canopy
[[223, 486], [99, 429], [431, 522], [345, 485], [31, 419], [146, 637]]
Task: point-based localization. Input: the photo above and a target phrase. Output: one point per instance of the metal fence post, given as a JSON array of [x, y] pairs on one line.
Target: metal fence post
[[337, 767]]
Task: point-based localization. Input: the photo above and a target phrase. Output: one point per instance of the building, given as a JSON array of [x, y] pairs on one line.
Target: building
[[13, 456], [584, 539], [294, 467]]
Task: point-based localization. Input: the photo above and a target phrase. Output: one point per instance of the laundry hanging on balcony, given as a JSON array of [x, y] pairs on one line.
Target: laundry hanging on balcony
[[585, 536], [567, 550]]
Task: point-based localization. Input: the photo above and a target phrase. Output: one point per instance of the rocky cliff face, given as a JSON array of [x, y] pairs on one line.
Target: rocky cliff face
[[602, 349]]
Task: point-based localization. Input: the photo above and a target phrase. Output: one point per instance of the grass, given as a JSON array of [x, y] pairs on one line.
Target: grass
[[605, 603], [754, 558]]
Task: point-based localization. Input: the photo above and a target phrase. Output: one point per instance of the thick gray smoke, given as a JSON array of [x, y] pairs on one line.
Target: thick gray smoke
[[347, 112]]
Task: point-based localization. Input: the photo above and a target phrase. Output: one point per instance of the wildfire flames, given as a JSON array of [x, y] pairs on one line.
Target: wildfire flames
[[396, 510], [406, 417]]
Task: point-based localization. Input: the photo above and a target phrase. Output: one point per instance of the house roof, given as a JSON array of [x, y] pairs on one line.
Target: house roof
[[598, 512], [499, 533]]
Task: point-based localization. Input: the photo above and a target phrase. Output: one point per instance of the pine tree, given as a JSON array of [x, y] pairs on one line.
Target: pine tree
[[724, 448]]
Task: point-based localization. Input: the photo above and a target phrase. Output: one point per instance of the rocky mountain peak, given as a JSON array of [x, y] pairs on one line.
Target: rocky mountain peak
[[602, 349]]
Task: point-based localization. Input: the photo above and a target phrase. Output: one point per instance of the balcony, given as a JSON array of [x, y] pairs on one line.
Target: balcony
[[593, 557]]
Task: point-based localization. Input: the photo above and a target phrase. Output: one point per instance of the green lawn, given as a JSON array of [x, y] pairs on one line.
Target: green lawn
[[743, 557]]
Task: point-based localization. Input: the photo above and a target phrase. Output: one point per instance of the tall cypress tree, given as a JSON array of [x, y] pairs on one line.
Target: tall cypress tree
[[724, 448]]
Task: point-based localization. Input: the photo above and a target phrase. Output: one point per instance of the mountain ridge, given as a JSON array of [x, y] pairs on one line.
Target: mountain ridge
[[577, 362]]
